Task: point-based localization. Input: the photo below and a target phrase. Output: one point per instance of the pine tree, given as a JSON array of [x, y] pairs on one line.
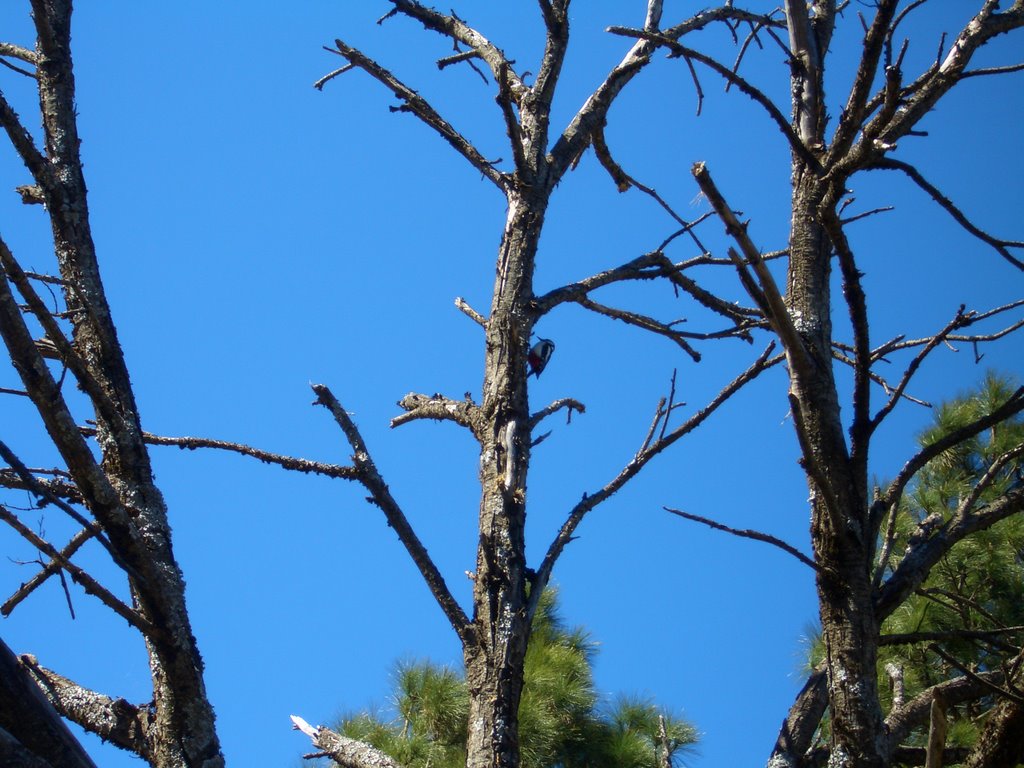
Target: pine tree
[[968, 615], [563, 721]]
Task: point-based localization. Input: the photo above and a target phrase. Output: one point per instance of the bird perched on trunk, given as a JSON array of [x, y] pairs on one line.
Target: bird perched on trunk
[[539, 355]]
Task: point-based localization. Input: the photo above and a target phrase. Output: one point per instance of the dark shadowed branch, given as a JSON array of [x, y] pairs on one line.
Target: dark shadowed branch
[[416, 104], [1001, 246], [285, 462], [87, 582], [366, 473], [747, 534], [647, 452], [29, 724]]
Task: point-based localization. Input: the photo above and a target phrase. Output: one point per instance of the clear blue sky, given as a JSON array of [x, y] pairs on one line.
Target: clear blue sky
[[256, 235]]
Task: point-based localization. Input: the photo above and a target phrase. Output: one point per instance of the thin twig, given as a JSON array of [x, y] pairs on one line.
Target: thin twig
[[49, 569], [319, 84], [88, 583], [1001, 246], [566, 403], [934, 648], [748, 534], [285, 462], [565, 534]]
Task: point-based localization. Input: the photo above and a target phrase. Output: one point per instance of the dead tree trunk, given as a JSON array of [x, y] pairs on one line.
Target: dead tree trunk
[[494, 641], [128, 510], [840, 531], [494, 662], [834, 445]]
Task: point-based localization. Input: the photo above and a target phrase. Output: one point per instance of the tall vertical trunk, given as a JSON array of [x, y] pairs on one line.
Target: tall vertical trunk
[[494, 663], [841, 535], [134, 516]]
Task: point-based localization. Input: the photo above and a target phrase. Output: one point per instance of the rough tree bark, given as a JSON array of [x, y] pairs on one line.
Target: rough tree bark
[[880, 110], [844, 521], [127, 514], [505, 591], [128, 510]]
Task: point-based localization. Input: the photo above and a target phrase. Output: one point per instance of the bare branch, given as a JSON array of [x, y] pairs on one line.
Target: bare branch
[[983, 71], [57, 486], [902, 720], [646, 267], [766, 293], [837, 354], [113, 720], [471, 313], [33, 485], [286, 462], [566, 403], [908, 638], [579, 134], [413, 102], [87, 582], [852, 116], [341, 749], [917, 563], [46, 394], [26, 148], [49, 569], [465, 413], [319, 84], [60, 345], [857, 306], [1001, 246], [948, 71], [30, 723], [952, 661], [380, 495], [649, 267], [13, 51], [747, 534], [776, 115], [990, 476], [454, 28], [641, 321], [957, 322], [16, 68], [866, 214], [802, 721], [1013, 405], [901, 343], [647, 452], [447, 61], [652, 20]]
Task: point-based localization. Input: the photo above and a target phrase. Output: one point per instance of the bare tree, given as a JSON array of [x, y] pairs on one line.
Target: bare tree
[[113, 499], [506, 591], [881, 109], [124, 511]]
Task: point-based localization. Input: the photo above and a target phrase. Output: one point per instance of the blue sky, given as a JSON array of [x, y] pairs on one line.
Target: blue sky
[[257, 235]]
